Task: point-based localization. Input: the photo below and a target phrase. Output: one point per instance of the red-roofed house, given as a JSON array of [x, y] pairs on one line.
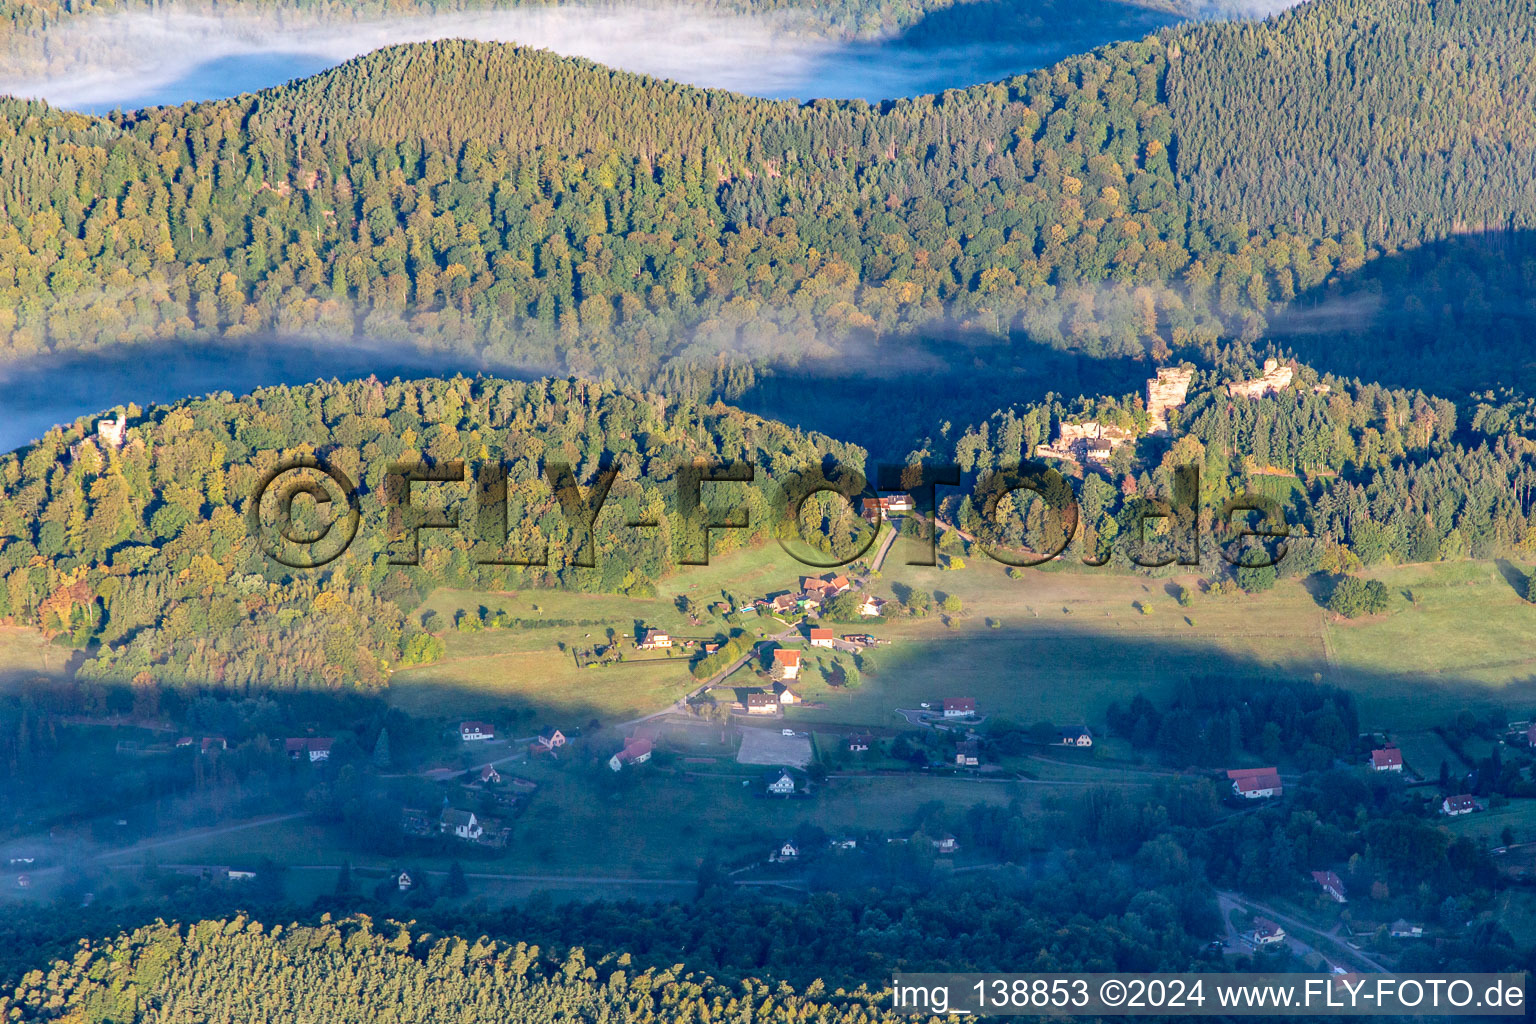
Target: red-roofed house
[[1266, 932], [1387, 759], [821, 637], [959, 707], [1255, 783], [636, 751], [1331, 884], [786, 663]]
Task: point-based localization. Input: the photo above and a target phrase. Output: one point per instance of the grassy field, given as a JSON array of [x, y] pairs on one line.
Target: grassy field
[[1065, 644], [1519, 816], [1424, 751], [574, 827], [23, 654], [525, 667], [1069, 643]]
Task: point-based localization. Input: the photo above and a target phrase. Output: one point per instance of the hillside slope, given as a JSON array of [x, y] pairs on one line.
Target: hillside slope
[[545, 210]]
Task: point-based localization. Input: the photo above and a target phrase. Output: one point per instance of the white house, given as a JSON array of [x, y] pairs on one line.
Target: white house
[[782, 784], [1255, 783], [1076, 736], [462, 824], [655, 639], [470, 732], [1457, 805], [786, 663], [959, 707], [871, 606]]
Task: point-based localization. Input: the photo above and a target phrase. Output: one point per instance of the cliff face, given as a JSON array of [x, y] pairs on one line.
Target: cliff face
[[1275, 379], [1167, 390]]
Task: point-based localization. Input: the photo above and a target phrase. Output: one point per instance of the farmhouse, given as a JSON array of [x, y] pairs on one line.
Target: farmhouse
[[884, 508], [654, 640], [404, 881], [489, 776], [786, 663], [547, 743], [636, 751], [959, 707], [781, 784], [859, 742], [462, 824], [967, 753], [871, 606], [1456, 805], [313, 748], [945, 844], [788, 695], [471, 732], [1255, 783], [1387, 759], [1402, 929], [1076, 736], [1331, 884], [1267, 932], [784, 854], [821, 637], [760, 703], [782, 605]]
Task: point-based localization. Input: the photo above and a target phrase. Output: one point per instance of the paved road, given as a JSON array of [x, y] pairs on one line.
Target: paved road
[[884, 548], [1340, 949]]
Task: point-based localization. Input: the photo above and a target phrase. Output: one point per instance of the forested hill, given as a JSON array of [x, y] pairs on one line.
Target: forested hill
[[239, 969], [147, 548], [1405, 119], [545, 210]]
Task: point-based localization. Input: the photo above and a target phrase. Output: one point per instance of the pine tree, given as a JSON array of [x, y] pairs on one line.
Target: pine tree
[[381, 755]]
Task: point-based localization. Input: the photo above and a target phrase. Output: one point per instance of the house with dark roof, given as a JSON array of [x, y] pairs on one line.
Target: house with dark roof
[[761, 703], [780, 783], [968, 753], [310, 748], [1453, 806], [1076, 736], [471, 732], [462, 824]]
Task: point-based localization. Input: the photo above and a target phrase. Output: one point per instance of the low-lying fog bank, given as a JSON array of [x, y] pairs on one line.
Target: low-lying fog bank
[[178, 54]]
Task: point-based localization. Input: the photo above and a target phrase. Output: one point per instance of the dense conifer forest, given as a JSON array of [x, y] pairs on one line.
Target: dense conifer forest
[[550, 212]]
